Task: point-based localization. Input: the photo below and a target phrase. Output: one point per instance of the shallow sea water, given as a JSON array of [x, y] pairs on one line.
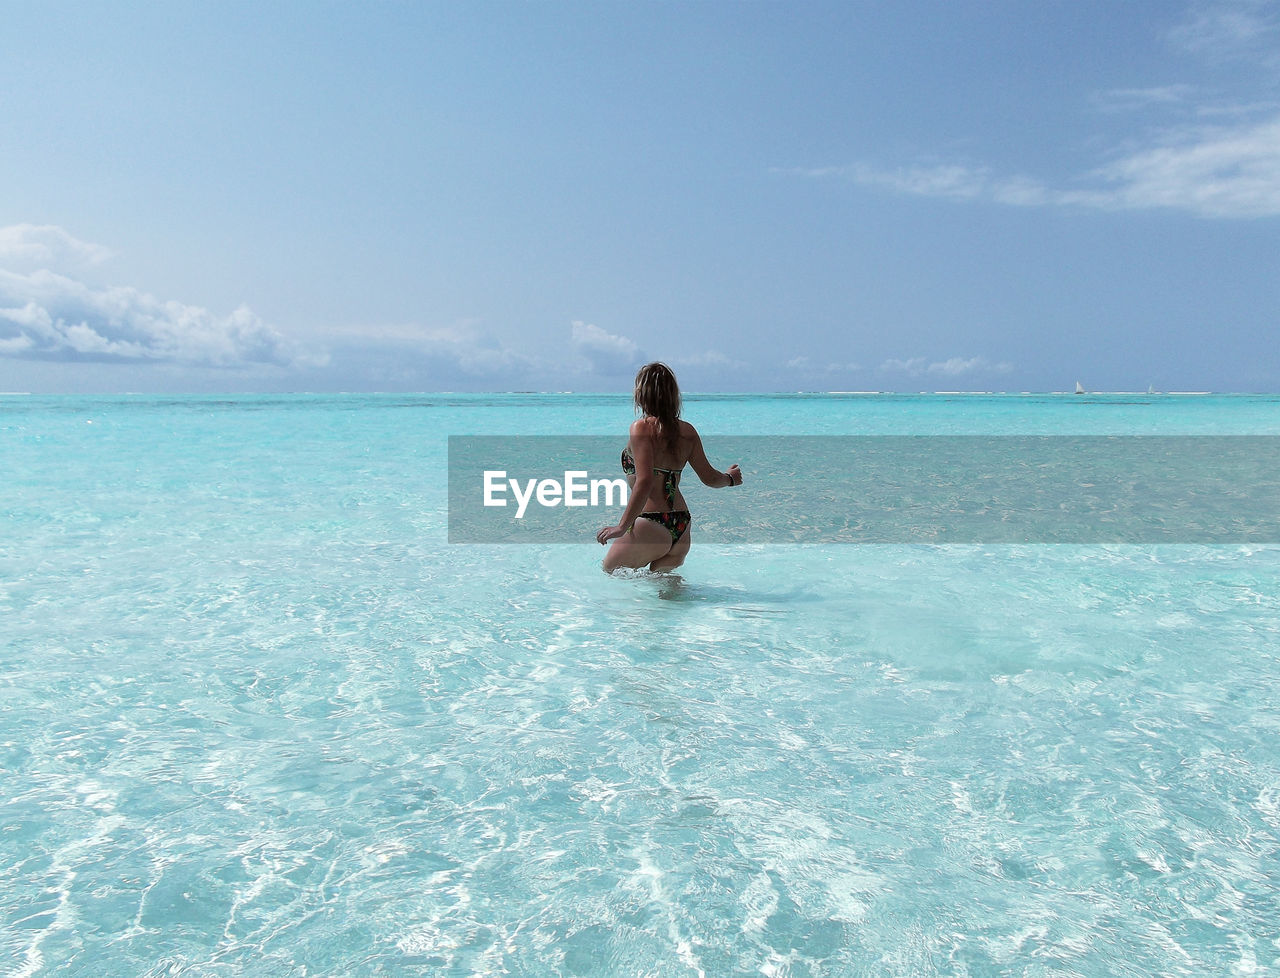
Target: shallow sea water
[[261, 718]]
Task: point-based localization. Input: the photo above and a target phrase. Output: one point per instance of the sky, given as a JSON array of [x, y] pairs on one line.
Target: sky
[[428, 196]]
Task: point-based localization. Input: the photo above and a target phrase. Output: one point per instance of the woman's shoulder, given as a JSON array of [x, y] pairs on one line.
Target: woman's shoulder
[[641, 428]]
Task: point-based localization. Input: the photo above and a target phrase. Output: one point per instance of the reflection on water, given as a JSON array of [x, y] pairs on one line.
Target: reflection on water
[[672, 586], [261, 718]]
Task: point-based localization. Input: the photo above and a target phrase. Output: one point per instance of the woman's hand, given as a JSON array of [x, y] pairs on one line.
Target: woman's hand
[[735, 475], [610, 533]]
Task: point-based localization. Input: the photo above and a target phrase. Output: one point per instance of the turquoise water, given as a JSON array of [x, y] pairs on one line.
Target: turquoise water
[[260, 718]]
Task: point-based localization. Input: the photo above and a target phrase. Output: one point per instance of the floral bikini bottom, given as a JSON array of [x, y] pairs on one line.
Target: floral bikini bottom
[[676, 521]]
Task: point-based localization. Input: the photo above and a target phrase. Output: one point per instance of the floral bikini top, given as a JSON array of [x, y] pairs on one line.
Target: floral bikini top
[[670, 477]]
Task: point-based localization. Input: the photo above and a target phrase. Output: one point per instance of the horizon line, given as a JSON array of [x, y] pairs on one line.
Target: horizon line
[[624, 394]]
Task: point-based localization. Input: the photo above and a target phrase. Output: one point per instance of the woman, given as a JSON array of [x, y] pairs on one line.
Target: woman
[[654, 529]]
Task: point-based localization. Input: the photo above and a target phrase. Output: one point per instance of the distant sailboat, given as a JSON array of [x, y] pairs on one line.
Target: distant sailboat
[[1151, 389], [1080, 388]]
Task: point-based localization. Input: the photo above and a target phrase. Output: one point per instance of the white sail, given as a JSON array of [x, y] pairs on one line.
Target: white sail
[[1079, 387]]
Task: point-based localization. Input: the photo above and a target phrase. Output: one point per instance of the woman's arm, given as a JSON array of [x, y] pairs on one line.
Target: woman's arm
[[710, 475], [642, 453]]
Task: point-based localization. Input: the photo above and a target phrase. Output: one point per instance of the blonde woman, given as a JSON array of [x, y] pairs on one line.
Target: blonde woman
[[654, 531]]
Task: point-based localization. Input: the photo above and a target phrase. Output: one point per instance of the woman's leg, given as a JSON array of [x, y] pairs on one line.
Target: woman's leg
[[675, 556], [648, 541]]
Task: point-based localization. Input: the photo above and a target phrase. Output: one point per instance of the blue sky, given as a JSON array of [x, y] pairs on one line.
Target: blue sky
[[540, 196]]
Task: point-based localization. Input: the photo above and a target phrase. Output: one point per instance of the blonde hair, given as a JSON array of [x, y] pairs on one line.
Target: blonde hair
[[658, 396]]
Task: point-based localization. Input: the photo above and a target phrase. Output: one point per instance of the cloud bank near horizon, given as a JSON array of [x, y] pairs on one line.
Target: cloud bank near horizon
[[951, 367], [48, 312], [53, 310]]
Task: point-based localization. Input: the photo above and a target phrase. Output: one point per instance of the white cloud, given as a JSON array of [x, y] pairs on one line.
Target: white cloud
[[30, 247], [472, 349], [950, 180], [1204, 149], [464, 353], [408, 350], [956, 366], [708, 358], [15, 345], [1226, 29], [1210, 172], [1214, 172], [913, 366], [601, 350], [952, 367], [808, 365], [1132, 99], [46, 313]]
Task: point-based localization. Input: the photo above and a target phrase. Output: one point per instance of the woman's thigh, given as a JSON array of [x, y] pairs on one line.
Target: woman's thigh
[[646, 542], [675, 556]]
